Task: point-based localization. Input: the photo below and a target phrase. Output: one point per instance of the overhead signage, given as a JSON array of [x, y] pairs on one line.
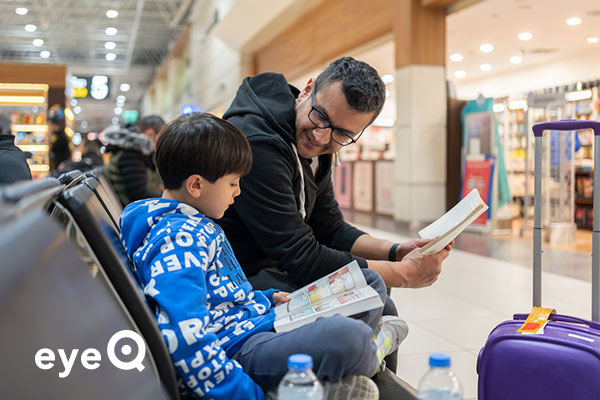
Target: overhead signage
[[96, 87]]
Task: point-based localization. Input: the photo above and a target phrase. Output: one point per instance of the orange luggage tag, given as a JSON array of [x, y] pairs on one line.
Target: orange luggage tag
[[536, 320]]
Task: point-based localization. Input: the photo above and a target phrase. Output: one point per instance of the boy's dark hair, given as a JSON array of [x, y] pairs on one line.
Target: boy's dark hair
[[363, 88], [152, 121], [202, 144]]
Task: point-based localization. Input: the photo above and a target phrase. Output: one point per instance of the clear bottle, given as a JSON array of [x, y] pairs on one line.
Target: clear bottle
[[300, 382], [439, 383]]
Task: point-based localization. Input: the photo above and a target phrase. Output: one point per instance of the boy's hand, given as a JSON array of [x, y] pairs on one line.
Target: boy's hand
[[280, 298]]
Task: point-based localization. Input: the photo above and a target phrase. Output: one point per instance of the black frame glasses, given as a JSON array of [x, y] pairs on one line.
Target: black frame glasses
[[318, 118]]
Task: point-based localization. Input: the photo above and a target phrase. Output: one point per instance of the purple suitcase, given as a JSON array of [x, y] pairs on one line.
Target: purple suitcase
[[563, 363]]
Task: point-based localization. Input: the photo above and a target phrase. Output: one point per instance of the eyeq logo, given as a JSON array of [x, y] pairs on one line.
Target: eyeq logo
[[90, 358]]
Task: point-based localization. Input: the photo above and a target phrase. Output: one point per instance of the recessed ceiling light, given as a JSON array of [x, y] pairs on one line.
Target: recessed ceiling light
[[387, 78], [574, 21], [516, 59], [525, 36], [44, 54], [456, 57], [485, 67], [121, 98], [592, 39], [118, 110], [486, 48], [110, 45], [84, 124], [21, 10], [30, 28], [115, 121], [124, 87], [460, 74], [38, 42], [74, 102], [110, 56], [112, 13], [76, 109], [111, 31]]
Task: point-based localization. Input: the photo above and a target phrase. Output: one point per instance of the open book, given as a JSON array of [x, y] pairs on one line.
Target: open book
[[449, 225], [344, 292]]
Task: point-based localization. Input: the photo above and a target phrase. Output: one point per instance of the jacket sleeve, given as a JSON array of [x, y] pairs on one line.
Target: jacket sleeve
[[268, 207], [327, 222], [183, 318], [133, 169]]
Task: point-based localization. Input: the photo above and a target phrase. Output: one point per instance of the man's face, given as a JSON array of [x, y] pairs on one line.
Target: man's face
[[152, 135], [330, 101]]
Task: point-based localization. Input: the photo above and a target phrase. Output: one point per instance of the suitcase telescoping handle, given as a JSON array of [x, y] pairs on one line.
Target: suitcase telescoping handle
[[538, 131]]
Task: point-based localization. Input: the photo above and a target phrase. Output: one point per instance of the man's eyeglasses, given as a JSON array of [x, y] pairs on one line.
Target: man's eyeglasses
[[319, 119]]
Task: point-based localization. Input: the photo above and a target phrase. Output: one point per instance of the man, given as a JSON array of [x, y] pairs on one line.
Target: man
[[151, 127], [287, 216], [13, 164], [59, 141]]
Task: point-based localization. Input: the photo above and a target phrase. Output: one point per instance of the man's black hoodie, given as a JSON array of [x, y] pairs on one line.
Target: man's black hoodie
[[265, 226]]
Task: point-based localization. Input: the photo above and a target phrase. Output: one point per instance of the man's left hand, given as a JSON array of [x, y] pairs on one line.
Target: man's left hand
[[406, 247]]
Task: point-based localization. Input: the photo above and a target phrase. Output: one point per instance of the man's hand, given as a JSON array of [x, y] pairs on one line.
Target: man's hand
[[419, 270], [280, 298], [406, 247]]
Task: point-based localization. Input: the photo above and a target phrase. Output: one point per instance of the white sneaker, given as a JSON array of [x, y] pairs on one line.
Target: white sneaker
[[392, 331], [352, 387]]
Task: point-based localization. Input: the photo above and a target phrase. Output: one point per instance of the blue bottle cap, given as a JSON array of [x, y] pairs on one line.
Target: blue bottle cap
[[299, 362], [439, 360]]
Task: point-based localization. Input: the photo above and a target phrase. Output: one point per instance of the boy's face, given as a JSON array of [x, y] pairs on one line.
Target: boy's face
[[218, 196]]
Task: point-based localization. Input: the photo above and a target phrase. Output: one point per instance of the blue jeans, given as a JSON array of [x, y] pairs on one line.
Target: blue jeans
[[339, 346]]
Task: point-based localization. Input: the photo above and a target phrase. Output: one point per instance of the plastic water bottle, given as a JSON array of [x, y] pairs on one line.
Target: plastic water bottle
[[439, 383], [300, 382]]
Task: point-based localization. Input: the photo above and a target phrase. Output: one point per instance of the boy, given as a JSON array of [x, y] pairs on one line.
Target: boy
[[218, 330]]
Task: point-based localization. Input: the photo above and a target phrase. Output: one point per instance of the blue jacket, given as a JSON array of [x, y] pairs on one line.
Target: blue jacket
[[207, 308]]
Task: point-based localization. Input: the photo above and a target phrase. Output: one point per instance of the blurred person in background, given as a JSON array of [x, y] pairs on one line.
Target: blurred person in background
[[151, 127], [13, 163], [91, 158], [130, 167], [59, 141]]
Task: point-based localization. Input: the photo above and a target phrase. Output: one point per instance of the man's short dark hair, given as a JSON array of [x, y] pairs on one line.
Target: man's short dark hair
[[151, 121], [202, 144], [363, 88]]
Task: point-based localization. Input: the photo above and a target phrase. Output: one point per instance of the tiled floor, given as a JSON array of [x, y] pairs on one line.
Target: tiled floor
[[476, 292]]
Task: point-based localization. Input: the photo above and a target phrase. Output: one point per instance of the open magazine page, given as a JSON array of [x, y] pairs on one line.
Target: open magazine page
[[346, 303], [348, 277]]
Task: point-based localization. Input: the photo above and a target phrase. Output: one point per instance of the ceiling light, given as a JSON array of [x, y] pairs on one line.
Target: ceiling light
[[21, 10], [23, 99], [110, 45], [460, 74], [76, 109], [74, 102], [525, 36], [111, 31], [592, 39], [112, 13], [121, 98], [124, 87], [110, 56], [84, 124], [38, 42], [118, 110], [115, 120], [486, 48], [485, 67], [456, 57], [574, 21], [30, 28], [387, 78], [516, 59], [44, 54]]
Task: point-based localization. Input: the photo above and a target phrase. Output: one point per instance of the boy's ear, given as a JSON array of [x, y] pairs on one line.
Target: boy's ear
[[193, 185]]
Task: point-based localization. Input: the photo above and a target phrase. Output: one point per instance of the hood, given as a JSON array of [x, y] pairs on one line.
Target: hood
[[141, 216], [264, 105], [122, 138]]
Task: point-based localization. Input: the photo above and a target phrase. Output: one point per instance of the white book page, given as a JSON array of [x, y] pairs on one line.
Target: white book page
[[450, 225]]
